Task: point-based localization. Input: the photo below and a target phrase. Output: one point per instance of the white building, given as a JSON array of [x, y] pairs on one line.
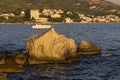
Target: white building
[[68, 20], [34, 14], [55, 16]]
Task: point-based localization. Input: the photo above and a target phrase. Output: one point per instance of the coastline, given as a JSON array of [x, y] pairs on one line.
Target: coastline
[[61, 23]]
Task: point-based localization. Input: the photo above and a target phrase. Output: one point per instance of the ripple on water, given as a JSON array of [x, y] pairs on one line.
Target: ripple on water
[[88, 68]]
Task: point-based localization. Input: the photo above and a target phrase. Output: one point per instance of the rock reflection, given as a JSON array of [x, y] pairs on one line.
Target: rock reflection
[[50, 71]]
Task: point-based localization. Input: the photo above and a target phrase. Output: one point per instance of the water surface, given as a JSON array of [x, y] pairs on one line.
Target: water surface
[[14, 36]]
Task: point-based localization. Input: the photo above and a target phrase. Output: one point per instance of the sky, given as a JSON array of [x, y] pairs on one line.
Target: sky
[[115, 1]]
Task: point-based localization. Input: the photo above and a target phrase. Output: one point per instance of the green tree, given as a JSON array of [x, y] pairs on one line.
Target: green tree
[[2, 19], [56, 19], [16, 19]]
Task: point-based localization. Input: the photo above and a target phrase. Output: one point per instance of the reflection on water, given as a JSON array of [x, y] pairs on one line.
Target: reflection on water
[[88, 68]]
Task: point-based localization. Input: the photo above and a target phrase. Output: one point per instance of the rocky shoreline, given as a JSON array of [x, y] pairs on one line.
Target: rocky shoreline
[[48, 47], [61, 23]]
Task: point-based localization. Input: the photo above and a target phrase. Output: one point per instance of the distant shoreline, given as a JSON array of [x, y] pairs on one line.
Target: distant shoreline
[[60, 23]]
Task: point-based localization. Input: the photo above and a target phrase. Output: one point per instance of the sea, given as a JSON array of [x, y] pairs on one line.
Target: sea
[[13, 37]]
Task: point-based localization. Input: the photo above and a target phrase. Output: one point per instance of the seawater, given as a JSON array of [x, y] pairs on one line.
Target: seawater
[[106, 35]]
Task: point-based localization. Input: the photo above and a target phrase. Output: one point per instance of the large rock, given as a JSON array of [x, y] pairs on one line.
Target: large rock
[[87, 48], [50, 47]]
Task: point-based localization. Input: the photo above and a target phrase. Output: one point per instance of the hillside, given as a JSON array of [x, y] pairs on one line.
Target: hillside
[[82, 6], [85, 11]]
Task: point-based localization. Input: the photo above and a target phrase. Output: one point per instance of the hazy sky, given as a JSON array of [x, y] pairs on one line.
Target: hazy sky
[[115, 1]]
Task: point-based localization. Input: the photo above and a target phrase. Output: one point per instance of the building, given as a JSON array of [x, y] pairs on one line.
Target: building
[[55, 16], [68, 20], [22, 13], [34, 14], [42, 20]]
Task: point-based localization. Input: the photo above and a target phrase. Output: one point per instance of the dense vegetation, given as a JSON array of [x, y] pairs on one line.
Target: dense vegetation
[[82, 6]]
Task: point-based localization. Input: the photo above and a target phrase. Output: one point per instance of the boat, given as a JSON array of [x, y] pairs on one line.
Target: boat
[[41, 26]]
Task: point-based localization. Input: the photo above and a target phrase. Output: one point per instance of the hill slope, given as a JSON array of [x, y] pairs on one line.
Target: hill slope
[[73, 5]]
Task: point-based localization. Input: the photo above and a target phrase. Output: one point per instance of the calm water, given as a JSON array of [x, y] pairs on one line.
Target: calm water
[[13, 37]]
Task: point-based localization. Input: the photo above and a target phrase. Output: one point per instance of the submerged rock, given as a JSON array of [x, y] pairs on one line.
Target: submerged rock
[[50, 47], [11, 66], [20, 59], [107, 54], [86, 48], [19, 78], [2, 60], [3, 54], [3, 76], [12, 62]]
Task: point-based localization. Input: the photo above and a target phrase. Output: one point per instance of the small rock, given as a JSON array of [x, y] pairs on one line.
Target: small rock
[[3, 54], [19, 78], [3, 76], [107, 54], [11, 66], [20, 59], [86, 48], [2, 61]]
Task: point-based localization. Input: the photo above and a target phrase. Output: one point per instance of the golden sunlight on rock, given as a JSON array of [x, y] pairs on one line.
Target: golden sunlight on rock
[[50, 47], [86, 48]]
